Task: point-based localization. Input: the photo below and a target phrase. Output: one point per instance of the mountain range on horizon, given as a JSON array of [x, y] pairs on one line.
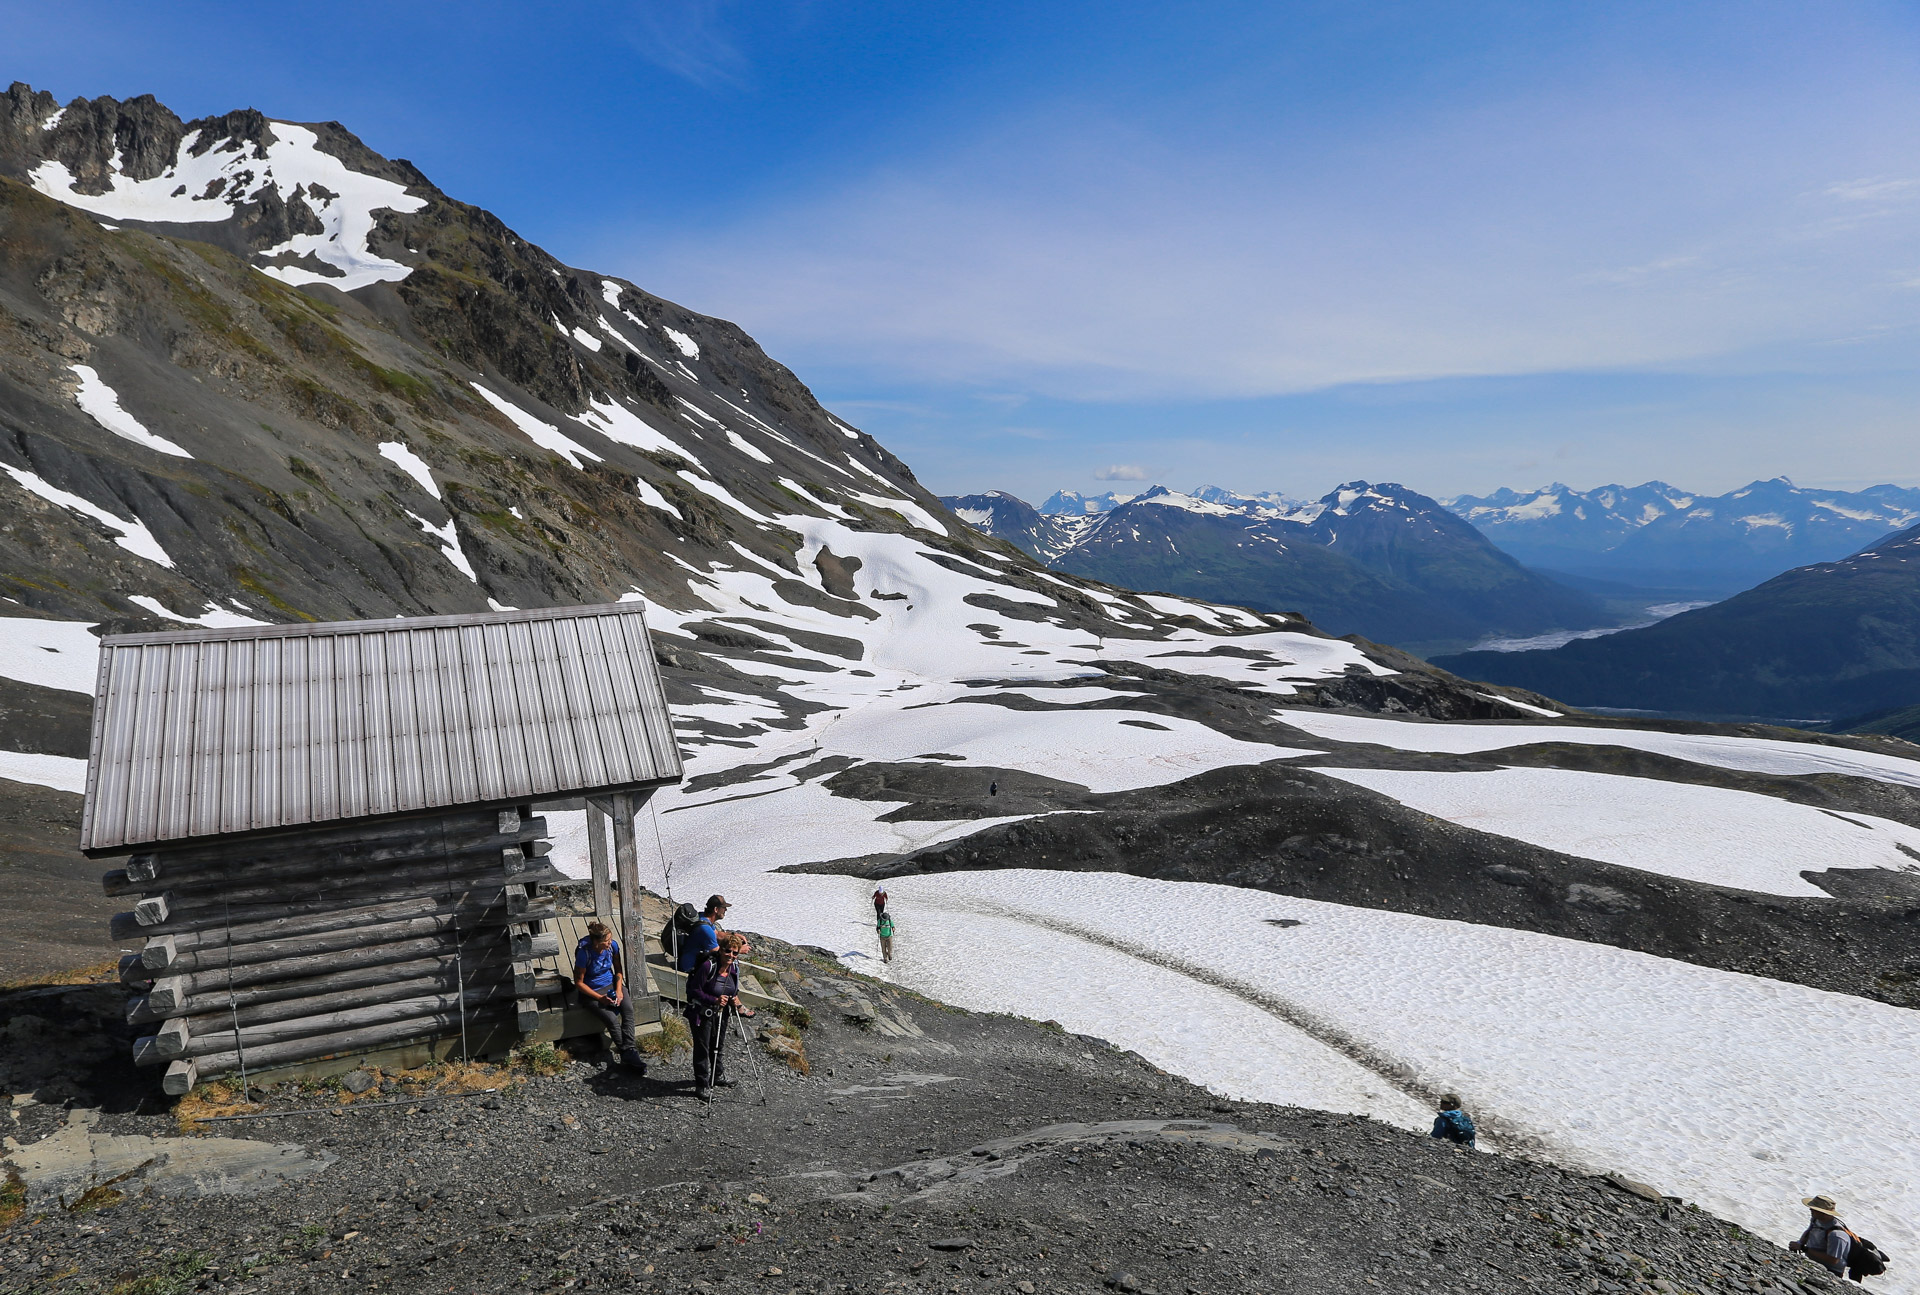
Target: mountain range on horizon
[[1652, 536], [1655, 535], [1378, 560]]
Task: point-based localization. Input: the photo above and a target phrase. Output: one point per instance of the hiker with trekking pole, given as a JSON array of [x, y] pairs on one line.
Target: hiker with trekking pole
[[713, 996]]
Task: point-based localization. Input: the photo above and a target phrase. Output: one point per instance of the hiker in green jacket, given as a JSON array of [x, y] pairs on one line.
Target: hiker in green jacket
[[884, 925]]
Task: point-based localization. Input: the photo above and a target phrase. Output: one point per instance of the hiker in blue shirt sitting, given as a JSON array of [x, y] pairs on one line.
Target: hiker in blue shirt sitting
[[705, 936], [1453, 1124], [600, 977]]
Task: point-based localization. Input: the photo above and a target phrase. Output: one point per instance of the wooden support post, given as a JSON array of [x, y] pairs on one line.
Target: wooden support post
[[626, 858], [160, 952], [180, 1078], [597, 852], [151, 911]]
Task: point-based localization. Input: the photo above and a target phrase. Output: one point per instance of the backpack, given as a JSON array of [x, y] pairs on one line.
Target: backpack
[[1454, 1126], [1865, 1259], [679, 929]]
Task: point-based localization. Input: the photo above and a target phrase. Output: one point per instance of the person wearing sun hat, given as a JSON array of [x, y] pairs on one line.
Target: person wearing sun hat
[[1826, 1240]]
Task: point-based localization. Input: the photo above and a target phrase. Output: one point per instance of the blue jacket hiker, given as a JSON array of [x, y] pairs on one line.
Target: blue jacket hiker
[[599, 978], [1453, 1124], [705, 936]]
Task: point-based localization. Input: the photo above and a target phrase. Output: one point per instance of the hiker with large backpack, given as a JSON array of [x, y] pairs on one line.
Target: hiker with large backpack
[[713, 995], [1833, 1245], [703, 936], [1453, 1124], [600, 979]]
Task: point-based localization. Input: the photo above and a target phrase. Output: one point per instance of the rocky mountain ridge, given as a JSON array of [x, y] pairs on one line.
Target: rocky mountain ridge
[[1379, 560], [1659, 536]]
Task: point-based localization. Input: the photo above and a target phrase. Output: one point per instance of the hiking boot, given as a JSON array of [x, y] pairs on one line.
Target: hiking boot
[[703, 1094], [721, 1081], [634, 1061]]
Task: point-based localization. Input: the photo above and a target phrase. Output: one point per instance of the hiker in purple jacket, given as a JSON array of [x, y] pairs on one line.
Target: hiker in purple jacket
[[713, 995]]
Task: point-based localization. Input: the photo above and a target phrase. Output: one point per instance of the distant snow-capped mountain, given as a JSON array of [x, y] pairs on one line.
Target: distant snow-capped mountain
[[1379, 560], [1655, 533], [1073, 504]]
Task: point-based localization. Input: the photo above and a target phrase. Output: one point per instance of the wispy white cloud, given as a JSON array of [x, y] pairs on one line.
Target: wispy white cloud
[[1874, 190], [1088, 254], [1121, 472], [689, 38]]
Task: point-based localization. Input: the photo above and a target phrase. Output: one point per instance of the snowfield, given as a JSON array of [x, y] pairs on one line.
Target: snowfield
[[49, 654], [1705, 834], [1712, 1085], [1751, 754]]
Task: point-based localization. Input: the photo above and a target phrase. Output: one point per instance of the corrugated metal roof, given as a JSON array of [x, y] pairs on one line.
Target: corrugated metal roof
[[207, 733]]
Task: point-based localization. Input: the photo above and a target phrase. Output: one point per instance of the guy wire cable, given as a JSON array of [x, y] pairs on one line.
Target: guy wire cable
[[246, 1091], [459, 965]]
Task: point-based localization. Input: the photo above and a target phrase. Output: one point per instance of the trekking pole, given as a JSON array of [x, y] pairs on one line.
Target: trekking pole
[[746, 1043], [713, 1050]]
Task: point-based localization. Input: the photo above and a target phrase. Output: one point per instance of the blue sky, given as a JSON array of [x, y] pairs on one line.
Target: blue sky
[[1269, 246]]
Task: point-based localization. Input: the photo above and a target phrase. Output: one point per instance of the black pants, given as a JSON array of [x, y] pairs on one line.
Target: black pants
[[709, 1029], [617, 1019]]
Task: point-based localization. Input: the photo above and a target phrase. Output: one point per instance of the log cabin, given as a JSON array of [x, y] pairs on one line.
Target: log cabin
[[332, 838]]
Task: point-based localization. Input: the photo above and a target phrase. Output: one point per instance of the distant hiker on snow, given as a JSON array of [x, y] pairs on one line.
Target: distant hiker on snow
[[884, 924], [1453, 1124], [705, 935], [713, 994], [1835, 1246], [599, 977], [879, 900]]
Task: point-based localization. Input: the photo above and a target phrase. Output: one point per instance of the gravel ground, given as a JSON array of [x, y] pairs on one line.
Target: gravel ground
[[929, 1150]]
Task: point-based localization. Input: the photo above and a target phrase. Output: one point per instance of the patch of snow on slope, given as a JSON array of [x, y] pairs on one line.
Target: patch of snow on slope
[[396, 453], [215, 616], [133, 536], [745, 446], [449, 537], [654, 499], [618, 423], [586, 339], [688, 347], [912, 512], [606, 326], [102, 404], [848, 432], [1270, 662], [60, 772], [49, 654], [1094, 748], [545, 435], [1529, 707], [211, 186], [1712, 835], [721, 493], [1752, 754]]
